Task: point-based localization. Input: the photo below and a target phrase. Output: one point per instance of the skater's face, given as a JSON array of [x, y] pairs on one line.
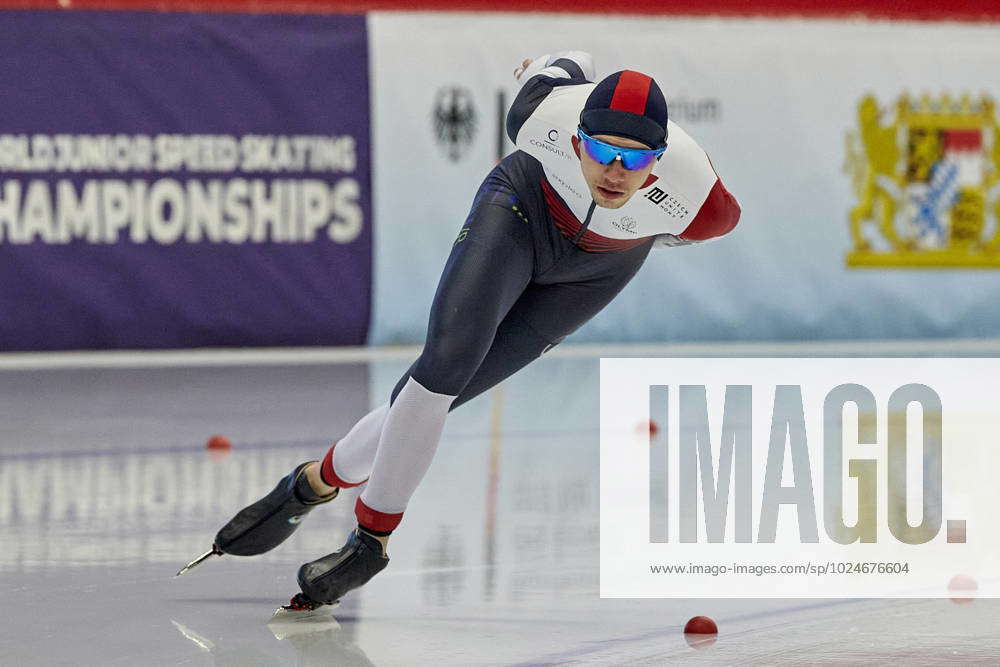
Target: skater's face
[[612, 185]]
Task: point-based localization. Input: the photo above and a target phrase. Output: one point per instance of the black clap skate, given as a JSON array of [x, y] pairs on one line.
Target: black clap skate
[[265, 524], [326, 580]]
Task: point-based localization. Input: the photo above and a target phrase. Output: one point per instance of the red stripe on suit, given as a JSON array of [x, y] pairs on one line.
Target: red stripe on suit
[[381, 522], [569, 225]]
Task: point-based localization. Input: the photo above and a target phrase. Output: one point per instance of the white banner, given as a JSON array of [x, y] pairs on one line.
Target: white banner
[[780, 107], [799, 478]]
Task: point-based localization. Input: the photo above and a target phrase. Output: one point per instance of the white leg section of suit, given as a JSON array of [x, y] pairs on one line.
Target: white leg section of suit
[[410, 437], [354, 454]]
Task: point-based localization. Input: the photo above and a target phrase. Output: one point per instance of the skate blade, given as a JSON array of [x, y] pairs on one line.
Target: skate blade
[[199, 560], [287, 622], [323, 611]]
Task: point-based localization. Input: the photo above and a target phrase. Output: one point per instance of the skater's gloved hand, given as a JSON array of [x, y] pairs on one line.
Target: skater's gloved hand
[[529, 67], [519, 70]]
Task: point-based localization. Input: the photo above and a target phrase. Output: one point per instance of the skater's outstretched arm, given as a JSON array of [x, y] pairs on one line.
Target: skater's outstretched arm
[[539, 77]]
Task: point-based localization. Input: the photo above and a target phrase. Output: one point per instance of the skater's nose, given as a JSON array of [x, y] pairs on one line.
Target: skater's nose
[[615, 173]]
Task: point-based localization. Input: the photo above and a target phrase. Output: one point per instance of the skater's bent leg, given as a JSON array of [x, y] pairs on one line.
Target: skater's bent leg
[[489, 267], [418, 415], [480, 284], [515, 346], [543, 316]]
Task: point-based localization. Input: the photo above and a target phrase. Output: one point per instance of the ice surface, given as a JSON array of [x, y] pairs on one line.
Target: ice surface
[[106, 490]]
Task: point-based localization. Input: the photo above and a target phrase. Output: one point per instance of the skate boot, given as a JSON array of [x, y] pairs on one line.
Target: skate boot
[[326, 580], [268, 522]]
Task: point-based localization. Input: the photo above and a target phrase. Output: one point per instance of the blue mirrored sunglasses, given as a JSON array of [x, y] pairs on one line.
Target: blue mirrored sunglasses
[[604, 153]]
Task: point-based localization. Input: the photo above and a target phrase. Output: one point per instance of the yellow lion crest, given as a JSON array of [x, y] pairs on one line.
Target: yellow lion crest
[[925, 183]]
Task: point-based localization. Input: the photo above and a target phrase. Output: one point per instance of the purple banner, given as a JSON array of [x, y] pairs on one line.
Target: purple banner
[[183, 180]]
